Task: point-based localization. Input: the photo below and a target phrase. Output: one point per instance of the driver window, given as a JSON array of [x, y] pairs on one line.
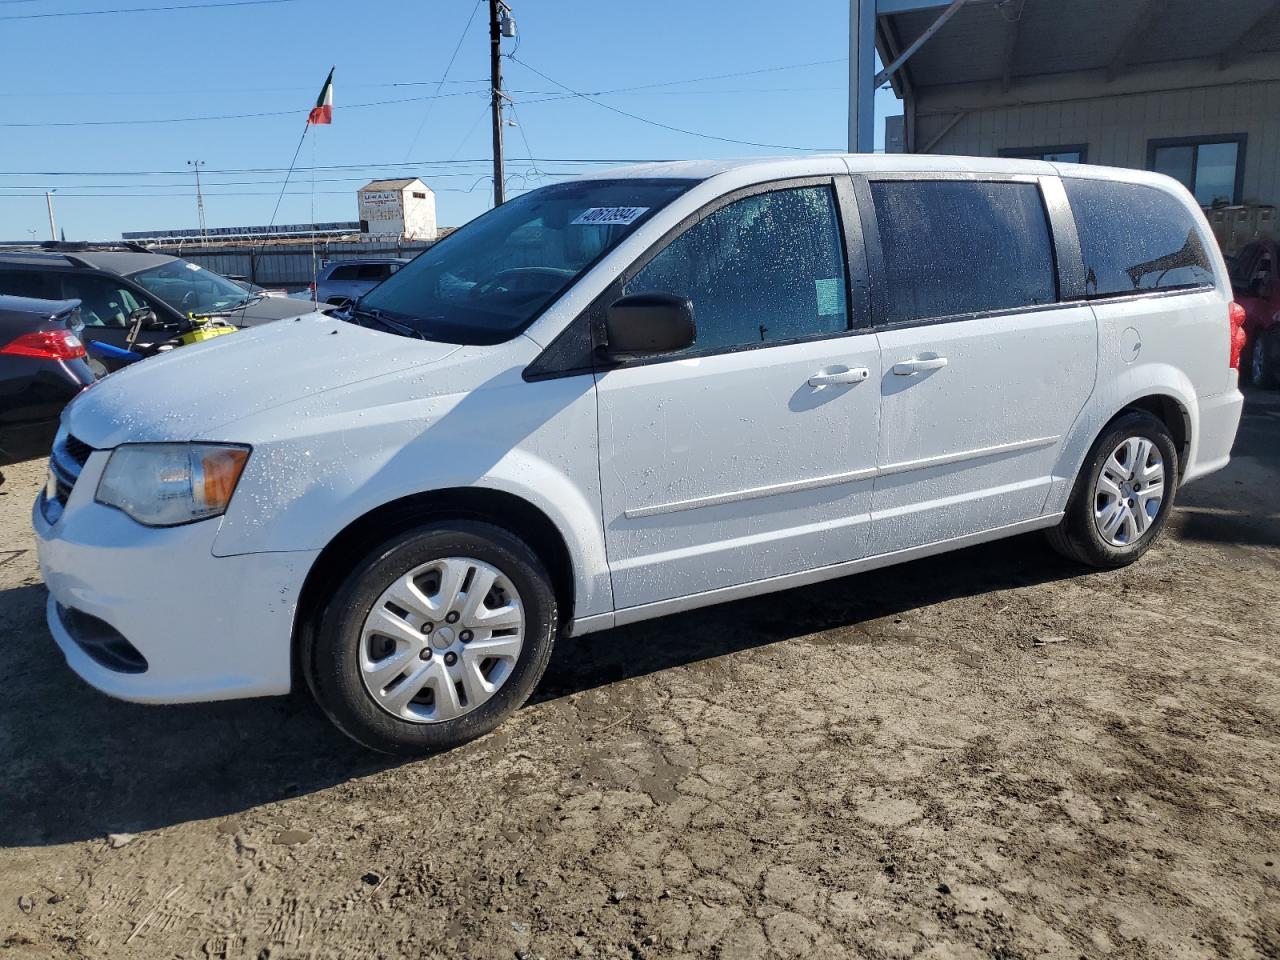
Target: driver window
[[768, 268]]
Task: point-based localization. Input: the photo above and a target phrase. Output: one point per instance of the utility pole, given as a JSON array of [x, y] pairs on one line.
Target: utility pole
[[495, 81], [196, 165], [53, 224]]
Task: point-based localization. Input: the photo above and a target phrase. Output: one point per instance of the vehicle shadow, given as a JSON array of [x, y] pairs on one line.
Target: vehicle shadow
[[636, 650], [80, 765]]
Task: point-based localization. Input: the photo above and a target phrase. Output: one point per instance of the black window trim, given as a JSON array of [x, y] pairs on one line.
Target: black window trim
[[1064, 244], [1240, 139], [1081, 294], [1037, 153], [547, 365]]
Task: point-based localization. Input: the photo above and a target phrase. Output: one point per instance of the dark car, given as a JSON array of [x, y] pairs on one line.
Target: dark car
[[1255, 277], [119, 287], [42, 367]]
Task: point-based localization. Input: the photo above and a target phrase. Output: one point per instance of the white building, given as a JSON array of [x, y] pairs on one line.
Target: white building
[[398, 209], [1191, 89]]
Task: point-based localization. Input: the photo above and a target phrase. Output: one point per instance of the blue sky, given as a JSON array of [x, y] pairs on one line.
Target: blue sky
[[60, 77]]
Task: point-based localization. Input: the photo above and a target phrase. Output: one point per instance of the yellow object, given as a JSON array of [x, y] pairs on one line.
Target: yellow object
[[206, 331]]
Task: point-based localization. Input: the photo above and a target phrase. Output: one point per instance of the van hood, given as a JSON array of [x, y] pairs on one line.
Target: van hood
[[189, 392]]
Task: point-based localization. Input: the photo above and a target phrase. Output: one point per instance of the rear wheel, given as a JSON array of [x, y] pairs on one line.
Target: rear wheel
[[434, 638], [1264, 365], [1123, 494]]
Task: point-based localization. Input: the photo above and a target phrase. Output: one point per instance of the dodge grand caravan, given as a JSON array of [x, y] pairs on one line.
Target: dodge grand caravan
[[628, 395]]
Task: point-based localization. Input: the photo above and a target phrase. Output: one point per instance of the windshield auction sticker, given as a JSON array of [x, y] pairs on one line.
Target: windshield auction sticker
[[608, 216]]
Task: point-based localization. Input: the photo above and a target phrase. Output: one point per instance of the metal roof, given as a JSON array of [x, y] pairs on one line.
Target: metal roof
[[391, 184], [1008, 40]]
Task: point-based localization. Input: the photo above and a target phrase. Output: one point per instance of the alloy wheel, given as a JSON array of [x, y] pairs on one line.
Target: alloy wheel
[[441, 640], [1129, 492]]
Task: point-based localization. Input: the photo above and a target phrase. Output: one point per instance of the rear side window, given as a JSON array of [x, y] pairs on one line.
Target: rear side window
[[1134, 237], [768, 268], [349, 272], [29, 283], [953, 248], [374, 271]]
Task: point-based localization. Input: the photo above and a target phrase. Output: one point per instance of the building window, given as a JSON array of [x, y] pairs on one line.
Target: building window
[[1210, 167], [419, 196], [1065, 153]]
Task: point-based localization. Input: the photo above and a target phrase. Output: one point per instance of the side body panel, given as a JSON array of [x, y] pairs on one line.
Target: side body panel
[[322, 462], [971, 445], [730, 468]]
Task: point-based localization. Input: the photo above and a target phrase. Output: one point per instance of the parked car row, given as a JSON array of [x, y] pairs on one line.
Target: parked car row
[[72, 312]]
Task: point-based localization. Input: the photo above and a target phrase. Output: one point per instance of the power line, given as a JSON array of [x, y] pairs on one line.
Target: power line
[[443, 77], [166, 9], [667, 126], [225, 116], [372, 165]]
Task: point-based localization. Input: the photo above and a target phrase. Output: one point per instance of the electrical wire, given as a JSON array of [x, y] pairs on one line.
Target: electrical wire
[[165, 9], [667, 126], [333, 166], [444, 76], [226, 116]]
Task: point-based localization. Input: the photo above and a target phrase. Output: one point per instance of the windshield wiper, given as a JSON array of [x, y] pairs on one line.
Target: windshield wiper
[[376, 315]]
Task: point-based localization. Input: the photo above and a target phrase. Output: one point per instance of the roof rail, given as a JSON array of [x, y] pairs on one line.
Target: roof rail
[[73, 246]]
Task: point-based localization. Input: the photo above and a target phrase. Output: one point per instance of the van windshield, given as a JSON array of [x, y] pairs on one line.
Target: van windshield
[[487, 281]]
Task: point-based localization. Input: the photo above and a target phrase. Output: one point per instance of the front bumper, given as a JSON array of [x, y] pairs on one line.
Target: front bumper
[[207, 628]]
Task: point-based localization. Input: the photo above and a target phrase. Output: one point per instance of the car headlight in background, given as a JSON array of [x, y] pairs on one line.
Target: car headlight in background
[[165, 484]]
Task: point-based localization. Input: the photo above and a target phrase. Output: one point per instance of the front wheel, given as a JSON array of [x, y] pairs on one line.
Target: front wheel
[[434, 638], [1122, 496]]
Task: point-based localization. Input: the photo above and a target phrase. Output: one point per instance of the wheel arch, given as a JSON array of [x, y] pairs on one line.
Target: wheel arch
[[364, 533], [1172, 413]]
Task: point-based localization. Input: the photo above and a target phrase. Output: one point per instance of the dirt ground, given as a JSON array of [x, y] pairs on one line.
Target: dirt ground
[[986, 754]]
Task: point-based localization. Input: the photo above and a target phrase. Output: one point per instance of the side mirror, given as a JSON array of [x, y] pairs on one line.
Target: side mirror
[[646, 325]]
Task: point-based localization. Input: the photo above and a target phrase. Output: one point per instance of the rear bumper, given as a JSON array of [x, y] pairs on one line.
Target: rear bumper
[[1219, 417], [201, 627]]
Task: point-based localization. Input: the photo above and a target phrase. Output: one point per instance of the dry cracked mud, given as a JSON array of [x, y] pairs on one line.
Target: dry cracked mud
[[986, 754]]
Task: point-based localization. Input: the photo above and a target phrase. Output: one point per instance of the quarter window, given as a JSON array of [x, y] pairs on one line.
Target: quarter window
[[954, 248], [768, 268], [1134, 237]]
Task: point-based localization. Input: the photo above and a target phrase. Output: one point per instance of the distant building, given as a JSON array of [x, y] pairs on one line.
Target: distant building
[[400, 209]]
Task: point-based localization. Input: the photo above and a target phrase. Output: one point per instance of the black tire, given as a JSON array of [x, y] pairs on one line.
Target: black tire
[[1264, 360], [1077, 537], [331, 654]]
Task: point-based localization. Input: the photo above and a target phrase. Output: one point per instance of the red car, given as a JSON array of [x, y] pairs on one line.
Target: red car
[[1255, 277]]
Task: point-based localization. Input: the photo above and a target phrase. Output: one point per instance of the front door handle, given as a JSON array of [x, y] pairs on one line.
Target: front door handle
[[839, 375], [929, 361]]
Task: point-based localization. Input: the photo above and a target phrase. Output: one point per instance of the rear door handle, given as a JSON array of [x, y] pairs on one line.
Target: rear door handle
[[838, 376], [907, 368]]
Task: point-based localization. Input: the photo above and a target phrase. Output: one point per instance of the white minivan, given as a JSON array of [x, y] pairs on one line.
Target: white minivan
[[628, 395]]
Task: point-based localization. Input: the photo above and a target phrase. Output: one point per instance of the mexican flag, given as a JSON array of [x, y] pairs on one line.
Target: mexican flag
[[322, 112]]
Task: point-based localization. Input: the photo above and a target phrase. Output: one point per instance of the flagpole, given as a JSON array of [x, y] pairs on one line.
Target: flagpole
[[285, 185], [315, 273]]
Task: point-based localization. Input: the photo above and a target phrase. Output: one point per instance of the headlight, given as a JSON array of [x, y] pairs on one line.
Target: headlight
[[165, 484]]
